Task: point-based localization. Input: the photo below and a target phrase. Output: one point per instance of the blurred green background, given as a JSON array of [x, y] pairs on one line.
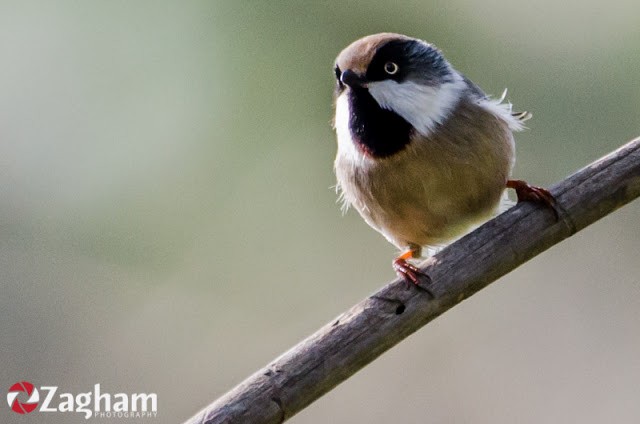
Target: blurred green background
[[167, 223]]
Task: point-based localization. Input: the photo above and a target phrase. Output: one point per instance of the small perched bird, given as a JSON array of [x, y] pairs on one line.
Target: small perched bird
[[423, 153]]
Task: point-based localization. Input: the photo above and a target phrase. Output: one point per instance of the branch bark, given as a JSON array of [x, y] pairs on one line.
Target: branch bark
[[358, 336]]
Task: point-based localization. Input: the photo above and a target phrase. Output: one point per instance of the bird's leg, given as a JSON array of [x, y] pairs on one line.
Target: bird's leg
[[529, 193], [410, 273]]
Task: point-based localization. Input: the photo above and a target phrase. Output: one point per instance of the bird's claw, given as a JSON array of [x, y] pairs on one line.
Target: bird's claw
[[529, 193], [412, 274]]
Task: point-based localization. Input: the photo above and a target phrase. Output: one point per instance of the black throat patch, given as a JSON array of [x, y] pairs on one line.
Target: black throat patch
[[378, 132]]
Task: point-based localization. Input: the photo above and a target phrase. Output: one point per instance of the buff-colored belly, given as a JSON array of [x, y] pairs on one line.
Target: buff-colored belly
[[428, 195]]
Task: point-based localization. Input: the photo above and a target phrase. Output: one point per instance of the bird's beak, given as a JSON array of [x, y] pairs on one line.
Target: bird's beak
[[352, 79]]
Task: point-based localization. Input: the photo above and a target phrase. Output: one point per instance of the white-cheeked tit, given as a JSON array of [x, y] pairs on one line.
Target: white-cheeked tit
[[423, 154]]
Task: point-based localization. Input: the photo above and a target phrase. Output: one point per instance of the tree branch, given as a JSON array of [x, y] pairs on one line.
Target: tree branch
[[355, 338]]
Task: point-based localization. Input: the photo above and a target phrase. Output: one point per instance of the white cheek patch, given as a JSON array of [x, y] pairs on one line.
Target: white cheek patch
[[421, 105], [346, 145], [349, 155]]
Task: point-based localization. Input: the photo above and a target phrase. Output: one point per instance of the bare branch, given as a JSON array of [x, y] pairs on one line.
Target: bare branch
[[358, 336]]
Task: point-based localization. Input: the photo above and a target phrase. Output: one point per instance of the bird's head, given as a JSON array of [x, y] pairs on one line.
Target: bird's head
[[407, 76]]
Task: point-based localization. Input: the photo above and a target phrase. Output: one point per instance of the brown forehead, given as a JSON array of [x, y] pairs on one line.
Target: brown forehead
[[358, 54]]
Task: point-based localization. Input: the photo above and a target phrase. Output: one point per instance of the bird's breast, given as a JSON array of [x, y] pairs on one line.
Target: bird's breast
[[435, 186], [376, 131]]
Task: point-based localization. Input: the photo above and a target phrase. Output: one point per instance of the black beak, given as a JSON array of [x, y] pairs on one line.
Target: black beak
[[352, 79]]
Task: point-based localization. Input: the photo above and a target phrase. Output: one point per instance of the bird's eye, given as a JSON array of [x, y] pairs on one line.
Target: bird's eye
[[339, 84], [391, 68]]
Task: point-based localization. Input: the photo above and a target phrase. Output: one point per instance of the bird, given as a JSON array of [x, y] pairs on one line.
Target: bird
[[423, 154]]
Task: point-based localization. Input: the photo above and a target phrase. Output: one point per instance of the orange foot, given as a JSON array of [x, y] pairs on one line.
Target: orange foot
[[410, 273], [531, 193]]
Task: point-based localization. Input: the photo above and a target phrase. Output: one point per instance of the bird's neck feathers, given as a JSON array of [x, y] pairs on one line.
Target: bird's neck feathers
[[379, 121], [382, 120], [374, 131]]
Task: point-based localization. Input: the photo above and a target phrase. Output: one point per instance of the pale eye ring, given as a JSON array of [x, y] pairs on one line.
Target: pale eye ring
[[391, 68]]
